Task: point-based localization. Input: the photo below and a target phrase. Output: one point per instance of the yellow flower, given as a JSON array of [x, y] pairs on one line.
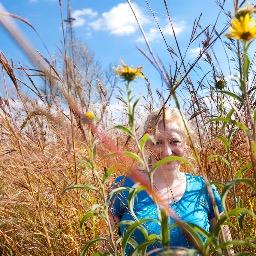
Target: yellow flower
[[243, 26], [90, 115], [128, 73], [243, 11]]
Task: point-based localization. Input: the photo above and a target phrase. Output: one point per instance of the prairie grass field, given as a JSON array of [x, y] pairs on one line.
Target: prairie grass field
[[63, 142]]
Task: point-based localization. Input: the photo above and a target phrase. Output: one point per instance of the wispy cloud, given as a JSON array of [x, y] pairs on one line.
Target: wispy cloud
[[119, 20], [195, 52], [153, 34], [81, 15]]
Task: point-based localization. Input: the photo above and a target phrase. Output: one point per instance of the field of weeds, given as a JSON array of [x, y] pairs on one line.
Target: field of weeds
[[62, 145]]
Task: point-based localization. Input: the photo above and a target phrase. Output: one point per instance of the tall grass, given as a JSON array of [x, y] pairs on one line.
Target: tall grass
[[57, 165]]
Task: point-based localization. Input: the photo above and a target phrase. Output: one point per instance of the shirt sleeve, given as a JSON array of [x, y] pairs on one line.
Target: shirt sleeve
[[217, 200]]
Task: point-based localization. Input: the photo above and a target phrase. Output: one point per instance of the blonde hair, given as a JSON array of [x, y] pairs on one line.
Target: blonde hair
[[165, 115]]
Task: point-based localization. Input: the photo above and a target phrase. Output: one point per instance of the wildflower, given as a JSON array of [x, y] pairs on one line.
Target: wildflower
[[90, 115], [243, 11], [128, 73], [220, 84], [243, 26]]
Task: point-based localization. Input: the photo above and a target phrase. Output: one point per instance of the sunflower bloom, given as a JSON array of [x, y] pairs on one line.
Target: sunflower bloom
[[243, 27], [90, 115], [128, 73]]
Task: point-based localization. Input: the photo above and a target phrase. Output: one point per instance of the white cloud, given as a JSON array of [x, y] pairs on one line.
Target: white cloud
[[195, 52], [119, 20], [80, 15], [153, 33]]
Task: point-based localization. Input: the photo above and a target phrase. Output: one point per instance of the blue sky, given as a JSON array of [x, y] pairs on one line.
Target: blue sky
[[109, 29]]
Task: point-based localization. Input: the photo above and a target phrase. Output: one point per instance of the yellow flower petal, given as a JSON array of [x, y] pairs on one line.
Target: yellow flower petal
[[243, 26], [90, 115], [128, 73]]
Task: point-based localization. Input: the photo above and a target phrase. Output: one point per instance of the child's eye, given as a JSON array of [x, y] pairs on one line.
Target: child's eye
[[158, 142]]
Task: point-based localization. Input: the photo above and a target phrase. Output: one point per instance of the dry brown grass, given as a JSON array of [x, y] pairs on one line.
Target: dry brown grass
[[44, 148], [36, 165]]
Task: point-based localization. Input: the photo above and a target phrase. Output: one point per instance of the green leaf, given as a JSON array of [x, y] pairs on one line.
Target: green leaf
[[243, 170], [134, 106], [136, 103], [233, 95], [115, 191], [221, 119], [141, 249], [131, 199], [241, 220], [88, 244], [233, 213], [191, 231], [133, 242], [231, 184], [136, 225], [221, 158], [143, 140], [169, 159], [80, 186], [241, 126], [225, 141], [94, 150], [134, 156], [86, 163], [254, 148], [230, 113], [131, 119], [107, 173], [124, 129], [246, 242], [246, 65], [228, 120], [87, 215]]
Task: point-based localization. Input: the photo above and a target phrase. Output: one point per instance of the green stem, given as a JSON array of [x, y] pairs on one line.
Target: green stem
[[103, 194], [248, 115], [133, 130]]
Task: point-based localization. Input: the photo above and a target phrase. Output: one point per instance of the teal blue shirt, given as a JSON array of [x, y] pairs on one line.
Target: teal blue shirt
[[194, 207]]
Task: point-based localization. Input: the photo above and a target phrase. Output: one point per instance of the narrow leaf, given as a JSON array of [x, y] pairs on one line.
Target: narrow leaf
[[124, 129], [88, 244], [136, 225], [169, 159], [134, 156], [243, 170], [221, 158], [131, 199], [87, 216], [233, 95], [143, 140]]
